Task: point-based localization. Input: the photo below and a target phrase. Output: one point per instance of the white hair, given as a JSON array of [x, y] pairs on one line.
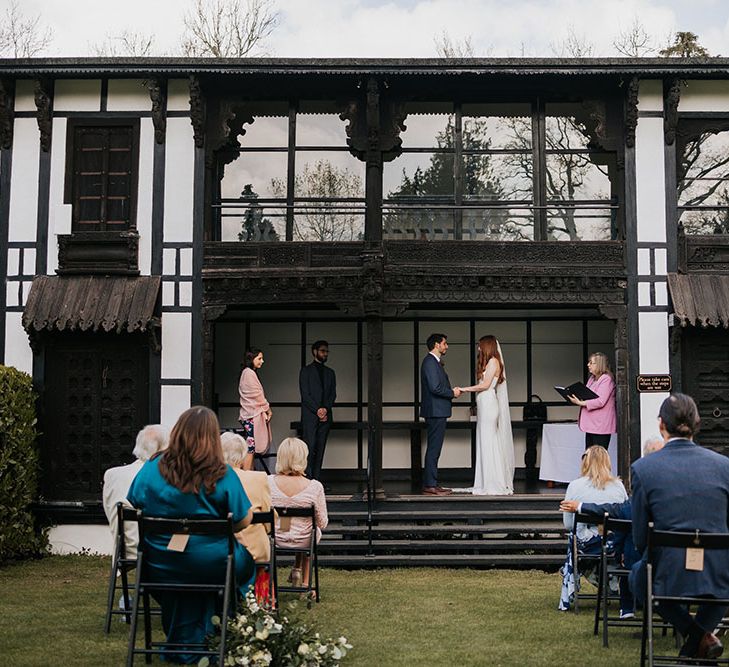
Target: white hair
[[235, 448], [652, 444], [150, 440]]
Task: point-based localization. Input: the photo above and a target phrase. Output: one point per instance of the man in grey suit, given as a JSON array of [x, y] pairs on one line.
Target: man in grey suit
[[684, 487], [318, 387], [435, 406]]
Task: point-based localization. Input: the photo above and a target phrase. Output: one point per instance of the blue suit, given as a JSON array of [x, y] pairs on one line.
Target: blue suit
[[435, 406], [683, 487]]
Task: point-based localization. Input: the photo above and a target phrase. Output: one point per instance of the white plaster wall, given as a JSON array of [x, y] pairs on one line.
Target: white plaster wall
[[72, 539], [178, 95], [653, 352], [175, 400], [176, 345], [179, 167], [650, 180], [59, 214], [144, 194], [77, 95], [24, 181], [650, 95], [24, 95], [704, 96], [17, 347], [127, 95]]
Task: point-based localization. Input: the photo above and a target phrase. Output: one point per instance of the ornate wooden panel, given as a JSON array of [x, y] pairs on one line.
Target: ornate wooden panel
[[705, 358], [703, 254], [95, 402]]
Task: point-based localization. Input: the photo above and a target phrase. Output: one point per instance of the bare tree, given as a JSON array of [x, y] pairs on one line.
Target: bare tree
[[228, 28], [573, 46], [447, 47], [22, 36], [126, 43], [634, 41], [685, 45]]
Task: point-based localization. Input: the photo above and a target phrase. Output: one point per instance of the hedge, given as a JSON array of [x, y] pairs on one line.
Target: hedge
[[19, 536]]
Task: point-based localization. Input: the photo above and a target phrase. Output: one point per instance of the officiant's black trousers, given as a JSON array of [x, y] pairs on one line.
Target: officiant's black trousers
[[436, 432], [602, 439]]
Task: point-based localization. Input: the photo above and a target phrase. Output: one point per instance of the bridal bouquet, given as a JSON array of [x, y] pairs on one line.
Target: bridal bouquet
[[256, 638]]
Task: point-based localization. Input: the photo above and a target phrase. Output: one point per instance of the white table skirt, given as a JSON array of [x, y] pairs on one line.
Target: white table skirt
[[562, 449]]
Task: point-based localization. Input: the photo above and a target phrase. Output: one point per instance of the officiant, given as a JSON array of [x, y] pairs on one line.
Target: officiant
[[598, 419]]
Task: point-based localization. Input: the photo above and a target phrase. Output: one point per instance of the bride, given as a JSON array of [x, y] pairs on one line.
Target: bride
[[494, 442]]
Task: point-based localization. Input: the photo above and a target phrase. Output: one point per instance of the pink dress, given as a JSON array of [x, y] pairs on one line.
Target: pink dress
[[300, 532], [598, 415]]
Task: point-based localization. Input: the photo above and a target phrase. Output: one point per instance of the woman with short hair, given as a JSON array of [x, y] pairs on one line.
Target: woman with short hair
[[290, 488], [598, 417]]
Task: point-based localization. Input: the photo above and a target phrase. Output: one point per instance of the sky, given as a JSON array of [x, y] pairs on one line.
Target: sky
[[398, 28]]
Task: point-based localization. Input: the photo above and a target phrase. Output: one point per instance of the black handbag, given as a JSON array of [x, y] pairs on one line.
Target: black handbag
[[535, 411]]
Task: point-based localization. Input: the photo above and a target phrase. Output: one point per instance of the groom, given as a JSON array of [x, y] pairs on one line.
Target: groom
[[435, 407]]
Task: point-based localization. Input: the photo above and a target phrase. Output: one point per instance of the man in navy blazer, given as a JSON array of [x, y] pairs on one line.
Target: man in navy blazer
[[684, 487], [435, 406], [318, 387]]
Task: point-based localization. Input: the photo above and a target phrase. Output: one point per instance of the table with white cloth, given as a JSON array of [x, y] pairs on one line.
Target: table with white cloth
[[562, 449]]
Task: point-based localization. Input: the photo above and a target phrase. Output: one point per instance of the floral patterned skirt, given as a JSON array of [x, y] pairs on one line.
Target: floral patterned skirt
[[247, 434]]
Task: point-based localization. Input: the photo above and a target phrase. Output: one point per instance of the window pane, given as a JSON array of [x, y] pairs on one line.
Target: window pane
[[90, 160], [566, 126], [327, 222], [328, 175], [707, 221], [419, 175], [497, 177], [705, 169], [498, 224], [257, 174], [120, 160], [266, 131], [496, 126], [120, 137], [318, 124], [117, 211], [579, 224], [88, 186], [118, 185], [89, 211], [574, 176], [428, 125], [424, 224], [254, 223]]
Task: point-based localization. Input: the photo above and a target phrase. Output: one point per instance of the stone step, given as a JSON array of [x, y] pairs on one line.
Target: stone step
[[399, 546], [550, 562], [495, 529]]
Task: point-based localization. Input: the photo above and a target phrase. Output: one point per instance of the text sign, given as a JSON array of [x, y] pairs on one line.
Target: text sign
[[648, 383]]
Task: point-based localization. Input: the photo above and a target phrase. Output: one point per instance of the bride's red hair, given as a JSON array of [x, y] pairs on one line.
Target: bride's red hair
[[487, 350]]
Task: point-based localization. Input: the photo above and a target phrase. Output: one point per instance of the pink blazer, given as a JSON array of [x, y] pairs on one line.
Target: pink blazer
[[599, 416], [253, 406]]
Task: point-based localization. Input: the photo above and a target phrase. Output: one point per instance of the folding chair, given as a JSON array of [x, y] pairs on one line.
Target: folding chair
[[268, 519], [310, 551], [610, 569], [681, 540], [146, 586], [593, 520], [121, 566]]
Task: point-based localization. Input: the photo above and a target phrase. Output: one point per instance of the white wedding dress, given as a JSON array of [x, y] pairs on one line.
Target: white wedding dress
[[494, 443]]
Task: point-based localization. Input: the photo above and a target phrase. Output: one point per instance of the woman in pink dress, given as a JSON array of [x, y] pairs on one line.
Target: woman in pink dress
[[255, 412], [598, 419], [290, 488]]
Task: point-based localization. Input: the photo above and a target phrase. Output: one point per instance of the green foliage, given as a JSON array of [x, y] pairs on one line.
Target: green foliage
[[19, 537], [685, 45]]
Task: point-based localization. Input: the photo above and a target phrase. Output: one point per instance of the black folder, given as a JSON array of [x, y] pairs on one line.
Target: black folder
[[576, 389]]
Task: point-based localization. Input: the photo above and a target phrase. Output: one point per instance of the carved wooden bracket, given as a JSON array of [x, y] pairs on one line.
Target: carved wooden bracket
[[158, 95], [7, 102], [224, 132], [671, 97], [631, 111], [43, 105], [197, 111]]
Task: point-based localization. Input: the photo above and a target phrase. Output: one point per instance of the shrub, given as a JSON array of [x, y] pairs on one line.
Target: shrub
[[19, 537]]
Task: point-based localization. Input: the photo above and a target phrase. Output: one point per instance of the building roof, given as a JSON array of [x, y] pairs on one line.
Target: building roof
[[175, 67], [92, 303], [700, 299]]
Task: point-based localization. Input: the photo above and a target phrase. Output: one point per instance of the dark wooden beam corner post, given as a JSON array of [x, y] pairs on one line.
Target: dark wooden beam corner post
[[7, 106]]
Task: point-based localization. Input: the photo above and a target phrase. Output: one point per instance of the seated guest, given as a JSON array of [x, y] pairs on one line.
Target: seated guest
[[626, 555], [191, 480], [254, 537], [596, 485], [683, 487], [150, 440], [291, 488]]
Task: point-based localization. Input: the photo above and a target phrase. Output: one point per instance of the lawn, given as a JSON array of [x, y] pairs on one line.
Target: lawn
[[51, 613]]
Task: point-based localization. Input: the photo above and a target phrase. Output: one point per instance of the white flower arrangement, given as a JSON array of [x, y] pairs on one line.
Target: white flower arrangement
[[256, 638]]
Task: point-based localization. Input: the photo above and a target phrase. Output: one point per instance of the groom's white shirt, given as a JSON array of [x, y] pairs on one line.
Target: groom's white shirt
[[435, 355]]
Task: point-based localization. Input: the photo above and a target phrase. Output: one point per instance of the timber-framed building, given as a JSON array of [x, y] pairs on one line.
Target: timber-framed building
[[157, 216]]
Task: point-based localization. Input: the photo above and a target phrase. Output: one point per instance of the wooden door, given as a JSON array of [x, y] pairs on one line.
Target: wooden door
[[705, 369], [96, 399]]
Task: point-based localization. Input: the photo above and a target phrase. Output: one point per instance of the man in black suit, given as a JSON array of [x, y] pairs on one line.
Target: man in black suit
[[684, 487], [318, 387], [435, 406]]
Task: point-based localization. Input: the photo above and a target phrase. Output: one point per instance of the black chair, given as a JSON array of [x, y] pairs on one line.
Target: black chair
[[578, 558], [146, 586], [121, 566], [608, 569], [268, 519], [682, 540], [310, 550]]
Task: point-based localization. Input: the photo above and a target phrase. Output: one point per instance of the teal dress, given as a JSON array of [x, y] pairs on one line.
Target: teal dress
[[186, 617]]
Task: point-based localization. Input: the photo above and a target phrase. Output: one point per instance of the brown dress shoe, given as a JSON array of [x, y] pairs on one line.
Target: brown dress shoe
[[431, 491], [443, 491], [709, 647]]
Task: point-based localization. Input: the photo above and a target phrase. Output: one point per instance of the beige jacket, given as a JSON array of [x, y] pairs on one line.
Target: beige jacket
[[255, 538]]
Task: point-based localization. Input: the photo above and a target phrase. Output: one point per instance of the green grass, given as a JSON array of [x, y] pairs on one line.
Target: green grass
[[51, 613]]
